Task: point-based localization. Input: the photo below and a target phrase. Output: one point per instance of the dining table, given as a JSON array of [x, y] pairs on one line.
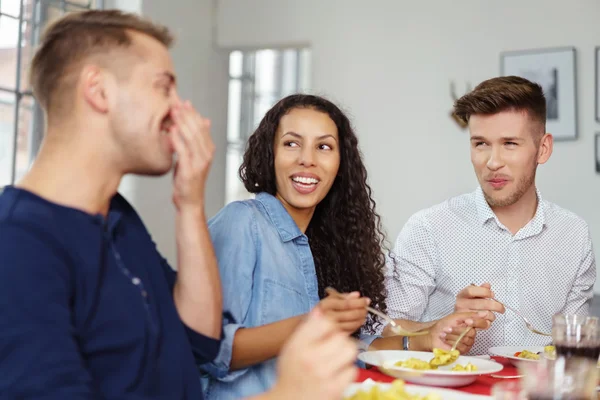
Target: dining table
[[482, 386]]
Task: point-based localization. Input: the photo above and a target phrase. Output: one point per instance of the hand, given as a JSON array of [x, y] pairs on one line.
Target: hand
[[444, 332], [478, 298], [191, 140], [317, 362], [348, 310]]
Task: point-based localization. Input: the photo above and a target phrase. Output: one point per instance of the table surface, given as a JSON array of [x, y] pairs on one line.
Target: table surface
[[483, 385]]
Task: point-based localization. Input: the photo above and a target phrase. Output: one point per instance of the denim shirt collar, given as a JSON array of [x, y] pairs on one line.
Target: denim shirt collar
[[283, 221]]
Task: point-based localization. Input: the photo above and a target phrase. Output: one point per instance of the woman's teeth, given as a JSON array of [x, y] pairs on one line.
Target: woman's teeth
[[306, 181]]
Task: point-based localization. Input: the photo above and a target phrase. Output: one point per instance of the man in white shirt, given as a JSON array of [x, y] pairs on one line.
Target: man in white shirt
[[504, 237]]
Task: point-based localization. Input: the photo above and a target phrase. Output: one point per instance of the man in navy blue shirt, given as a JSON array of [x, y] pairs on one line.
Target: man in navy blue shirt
[[88, 307]]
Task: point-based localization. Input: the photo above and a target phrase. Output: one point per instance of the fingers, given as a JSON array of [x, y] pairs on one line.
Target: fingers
[[351, 315], [195, 130], [181, 147], [342, 304], [471, 292], [315, 328], [479, 304], [459, 321], [467, 340]]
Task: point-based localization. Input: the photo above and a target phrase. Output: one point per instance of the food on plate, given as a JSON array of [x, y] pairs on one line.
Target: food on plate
[[444, 357], [415, 363], [528, 355], [465, 368], [395, 392], [550, 352]]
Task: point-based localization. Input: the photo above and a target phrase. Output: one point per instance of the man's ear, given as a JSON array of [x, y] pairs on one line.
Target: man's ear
[[94, 85], [545, 149]]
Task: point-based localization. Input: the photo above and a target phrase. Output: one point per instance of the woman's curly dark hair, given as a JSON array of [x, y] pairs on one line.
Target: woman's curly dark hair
[[345, 233]]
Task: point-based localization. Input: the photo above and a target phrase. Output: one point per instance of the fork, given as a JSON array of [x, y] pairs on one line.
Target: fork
[[397, 329], [527, 323]]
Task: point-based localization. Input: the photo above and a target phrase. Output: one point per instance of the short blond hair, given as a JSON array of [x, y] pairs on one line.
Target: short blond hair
[[75, 37]]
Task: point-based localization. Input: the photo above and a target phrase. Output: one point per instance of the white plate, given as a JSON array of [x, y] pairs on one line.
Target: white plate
[[443, 376], [509, 353], [445, 394]]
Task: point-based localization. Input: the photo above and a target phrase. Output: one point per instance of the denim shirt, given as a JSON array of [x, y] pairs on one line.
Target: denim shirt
[[268, 274]]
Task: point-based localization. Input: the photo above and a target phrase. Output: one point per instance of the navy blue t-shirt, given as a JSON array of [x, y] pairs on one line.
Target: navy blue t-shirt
[[86, 307]]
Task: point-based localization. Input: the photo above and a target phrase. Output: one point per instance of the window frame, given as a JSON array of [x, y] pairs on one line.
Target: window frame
[[249, 95], [39, 18]]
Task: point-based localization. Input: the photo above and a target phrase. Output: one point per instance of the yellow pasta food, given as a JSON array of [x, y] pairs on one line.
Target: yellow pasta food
[[528, 355], [415, 363], [443, 357], [465, 368], [395, 392], [550, 352]]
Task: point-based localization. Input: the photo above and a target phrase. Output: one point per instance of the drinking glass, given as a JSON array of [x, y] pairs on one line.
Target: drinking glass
[[576, 336], [572, 378]]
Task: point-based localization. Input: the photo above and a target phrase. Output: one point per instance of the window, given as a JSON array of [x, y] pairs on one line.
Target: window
[[257, 80], [21, 119]]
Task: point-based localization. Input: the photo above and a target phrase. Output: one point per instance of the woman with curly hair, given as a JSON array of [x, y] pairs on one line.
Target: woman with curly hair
[[311, 226]]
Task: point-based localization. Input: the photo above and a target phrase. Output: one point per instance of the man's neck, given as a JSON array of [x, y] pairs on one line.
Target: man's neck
[[71, 175], [517, 215]]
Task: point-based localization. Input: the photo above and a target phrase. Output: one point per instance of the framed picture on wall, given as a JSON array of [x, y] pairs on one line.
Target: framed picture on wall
[[555, 71], [597, 89], [597, 153]]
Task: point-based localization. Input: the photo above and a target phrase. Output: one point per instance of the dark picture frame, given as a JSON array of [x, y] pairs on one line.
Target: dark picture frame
[[555, 69]]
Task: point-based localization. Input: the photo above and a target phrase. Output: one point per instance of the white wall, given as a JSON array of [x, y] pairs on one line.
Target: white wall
[[202, 78], [389, 63]]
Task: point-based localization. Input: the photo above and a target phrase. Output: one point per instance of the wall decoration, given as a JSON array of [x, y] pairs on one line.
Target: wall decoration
[[454, 97], [555, 71], [597, 88], [597, 153]]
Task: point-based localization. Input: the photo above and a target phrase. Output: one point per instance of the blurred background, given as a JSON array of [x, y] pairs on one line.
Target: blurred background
[[395, 66]]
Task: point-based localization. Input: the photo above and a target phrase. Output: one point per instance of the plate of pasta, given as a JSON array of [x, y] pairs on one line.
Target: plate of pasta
[[520, 354], [415, 367], [398, 390]]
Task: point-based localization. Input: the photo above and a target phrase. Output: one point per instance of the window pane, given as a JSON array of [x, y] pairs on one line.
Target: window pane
[[24, 136], [304, 70], [266, 68], [233, 110], [235, 64], [247, 120], [289, 72], [52, 10], [80, 3], [265, 76], [8, 51], [11, 7], [7, 116], [263, 103], [27, 50]]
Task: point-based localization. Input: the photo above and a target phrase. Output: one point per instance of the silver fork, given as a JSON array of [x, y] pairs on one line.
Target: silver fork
[[527, 323], [397, 329]]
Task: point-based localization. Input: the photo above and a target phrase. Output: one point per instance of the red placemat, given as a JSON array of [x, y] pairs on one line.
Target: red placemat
[[483, 384]]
